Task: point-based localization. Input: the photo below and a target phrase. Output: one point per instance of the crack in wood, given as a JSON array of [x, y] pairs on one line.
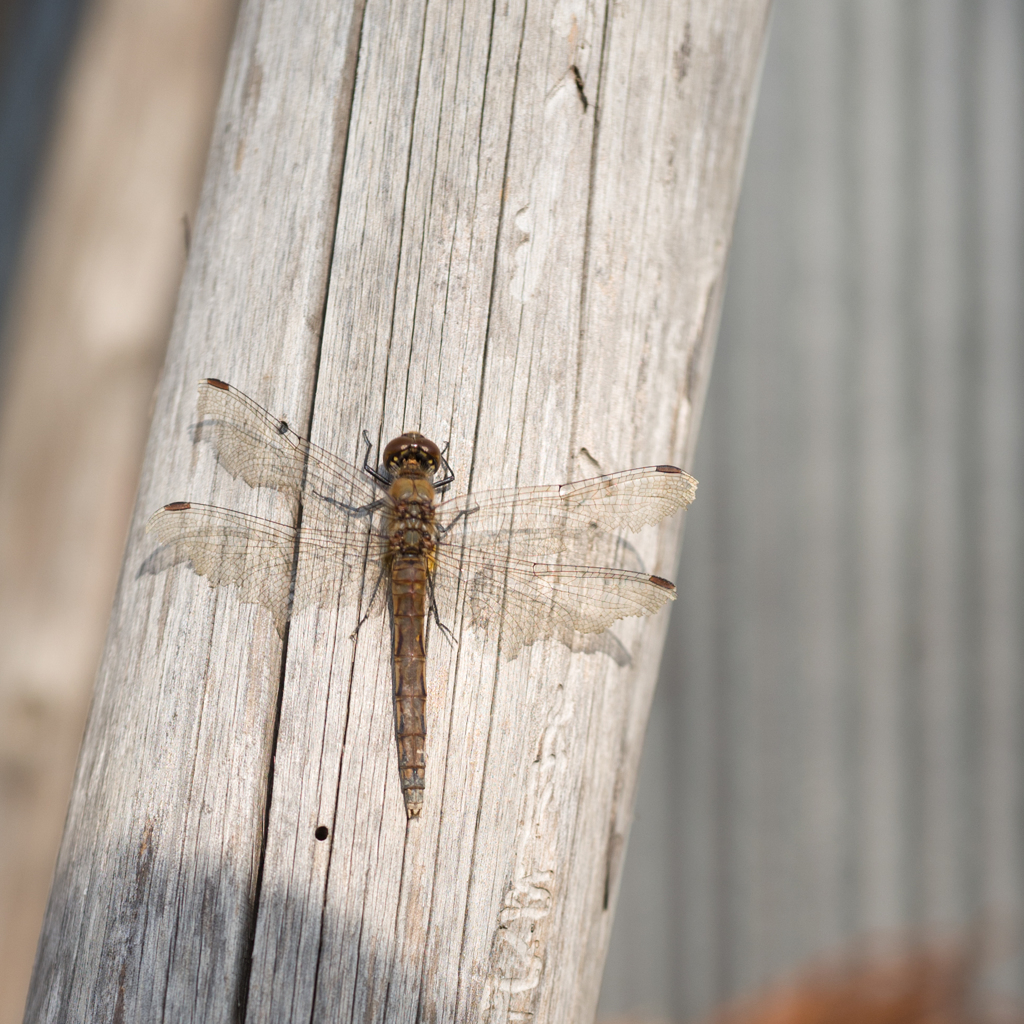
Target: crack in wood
[[578, 78]]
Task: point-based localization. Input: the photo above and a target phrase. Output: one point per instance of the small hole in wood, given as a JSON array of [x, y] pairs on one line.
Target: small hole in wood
[[321, 832]]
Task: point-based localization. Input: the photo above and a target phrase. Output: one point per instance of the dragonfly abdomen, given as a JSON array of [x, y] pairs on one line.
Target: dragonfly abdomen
[[409, 602]]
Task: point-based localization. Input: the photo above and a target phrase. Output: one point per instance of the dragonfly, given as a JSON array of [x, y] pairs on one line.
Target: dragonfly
[[517, 558]]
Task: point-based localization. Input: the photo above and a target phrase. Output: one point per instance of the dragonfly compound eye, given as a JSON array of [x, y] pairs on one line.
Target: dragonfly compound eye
[[415, 448]]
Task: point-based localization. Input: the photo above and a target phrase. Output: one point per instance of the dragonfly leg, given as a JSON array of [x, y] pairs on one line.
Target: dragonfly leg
[[448, 634], [443, 530], [369, 605], [384, 481], [449, 476], [362, 511]]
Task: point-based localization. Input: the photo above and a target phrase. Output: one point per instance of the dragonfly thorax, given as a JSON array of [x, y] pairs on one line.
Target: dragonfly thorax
[[411, 527], [412, 490]]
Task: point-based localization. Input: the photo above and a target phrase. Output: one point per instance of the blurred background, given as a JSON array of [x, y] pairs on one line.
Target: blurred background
[[836, 750]]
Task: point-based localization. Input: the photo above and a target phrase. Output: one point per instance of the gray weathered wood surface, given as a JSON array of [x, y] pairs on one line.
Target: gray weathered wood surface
[[414, 217]]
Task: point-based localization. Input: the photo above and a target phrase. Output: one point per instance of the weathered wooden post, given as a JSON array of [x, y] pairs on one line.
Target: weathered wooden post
[[504, 227]]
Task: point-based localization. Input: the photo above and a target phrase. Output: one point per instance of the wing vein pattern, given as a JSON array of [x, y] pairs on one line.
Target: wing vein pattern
[[545, 562]]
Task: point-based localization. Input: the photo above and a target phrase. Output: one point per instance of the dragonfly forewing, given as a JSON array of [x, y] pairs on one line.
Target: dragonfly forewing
[[266, 452], [543, 516]]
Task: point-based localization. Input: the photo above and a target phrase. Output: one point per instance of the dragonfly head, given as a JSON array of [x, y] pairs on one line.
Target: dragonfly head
[[412, 452]]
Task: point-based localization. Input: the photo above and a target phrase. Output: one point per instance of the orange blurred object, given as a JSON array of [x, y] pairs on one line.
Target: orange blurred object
[[933, 984]]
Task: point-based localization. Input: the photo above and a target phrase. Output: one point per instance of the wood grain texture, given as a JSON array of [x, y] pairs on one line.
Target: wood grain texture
[[510, 228]]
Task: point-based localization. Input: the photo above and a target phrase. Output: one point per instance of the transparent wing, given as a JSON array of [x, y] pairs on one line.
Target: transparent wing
[[257, 555], [500, 540], [534, 601], [266, 452], [549, 519]]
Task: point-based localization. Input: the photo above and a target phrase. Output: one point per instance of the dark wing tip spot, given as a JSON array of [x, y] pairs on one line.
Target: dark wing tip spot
[[214, 382], [663, 583], [178, 506], [668, 469], [282, 427]]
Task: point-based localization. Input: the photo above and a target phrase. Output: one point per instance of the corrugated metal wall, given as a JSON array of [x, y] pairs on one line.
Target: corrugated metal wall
[[837, 743]]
